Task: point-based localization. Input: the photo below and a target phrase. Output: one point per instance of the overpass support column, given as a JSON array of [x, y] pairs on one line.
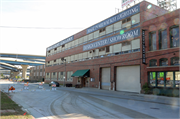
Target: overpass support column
[[14, 74], [24, 70]]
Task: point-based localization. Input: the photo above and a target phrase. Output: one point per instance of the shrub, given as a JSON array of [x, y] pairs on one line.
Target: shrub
[[146, 88]]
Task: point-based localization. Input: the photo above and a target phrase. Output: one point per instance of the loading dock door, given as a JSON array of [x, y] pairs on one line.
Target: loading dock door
[[105, 76], [128, 79]]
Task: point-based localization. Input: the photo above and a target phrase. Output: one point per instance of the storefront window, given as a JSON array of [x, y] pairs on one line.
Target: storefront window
[[153, 62], [163, 39], [172, 79], [79, 80], [169, 79], [177, 78], [163, 62], [175, 61], [152, 41], [160, 79], [174, 37], [152, 79]]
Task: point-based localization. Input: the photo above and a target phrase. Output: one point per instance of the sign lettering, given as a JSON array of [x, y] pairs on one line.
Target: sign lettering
[[117, 38], [143, 48], [129, 12], [126, 2], [61, 43]]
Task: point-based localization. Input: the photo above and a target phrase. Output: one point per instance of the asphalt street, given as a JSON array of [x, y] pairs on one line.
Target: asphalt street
[[89, 103]]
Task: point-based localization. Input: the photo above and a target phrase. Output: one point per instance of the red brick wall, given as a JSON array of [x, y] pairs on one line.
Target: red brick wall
[[95, 64], [150, 13], [161, 22], [79, 49], [80, 34]]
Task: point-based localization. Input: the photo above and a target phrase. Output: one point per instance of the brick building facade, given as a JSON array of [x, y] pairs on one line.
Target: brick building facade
[[108, 55], [162, 52], [37, 73]]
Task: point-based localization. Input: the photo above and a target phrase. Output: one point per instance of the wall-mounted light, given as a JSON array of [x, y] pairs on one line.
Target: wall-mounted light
[[149, 6]]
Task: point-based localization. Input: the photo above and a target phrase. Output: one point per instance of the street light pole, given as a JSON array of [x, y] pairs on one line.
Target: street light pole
[[65, 72]]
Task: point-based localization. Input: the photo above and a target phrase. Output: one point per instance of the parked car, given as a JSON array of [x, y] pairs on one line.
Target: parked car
[[54, 82]]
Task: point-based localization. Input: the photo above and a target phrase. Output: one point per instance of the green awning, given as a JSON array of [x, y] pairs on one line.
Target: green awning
[[81, 73]]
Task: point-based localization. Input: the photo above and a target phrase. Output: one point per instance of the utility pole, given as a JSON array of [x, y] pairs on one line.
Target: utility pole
[[65, 72], [64, 60]]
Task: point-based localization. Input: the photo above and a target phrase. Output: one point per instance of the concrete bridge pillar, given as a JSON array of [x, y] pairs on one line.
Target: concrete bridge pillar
[[24, 70]]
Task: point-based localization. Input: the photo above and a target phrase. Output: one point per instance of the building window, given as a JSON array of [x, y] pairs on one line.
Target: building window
[[177, 78], [49, 51], [123, 21], [54, 60], [126, 20], [175, 61], [169, 79], [63, 45], [163, 62], [102, 49], [152, 79], [152, 41], [101, 30], [79, 80], [126, 43], [160, 79], [163, 39], [153, 62], [174, 36], [107, 48], [55, 48]]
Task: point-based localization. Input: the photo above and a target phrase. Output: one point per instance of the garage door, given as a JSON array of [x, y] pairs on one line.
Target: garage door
[[105, 76], [128, 79]]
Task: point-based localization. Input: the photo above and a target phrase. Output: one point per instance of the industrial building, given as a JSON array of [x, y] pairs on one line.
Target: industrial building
[[120, 53], [37, 73]]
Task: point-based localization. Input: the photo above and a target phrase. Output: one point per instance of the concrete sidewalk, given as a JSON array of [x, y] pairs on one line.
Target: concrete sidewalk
[[174, 101]]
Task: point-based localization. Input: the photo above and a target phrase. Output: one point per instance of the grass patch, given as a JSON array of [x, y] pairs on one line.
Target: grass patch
[[8, 104]]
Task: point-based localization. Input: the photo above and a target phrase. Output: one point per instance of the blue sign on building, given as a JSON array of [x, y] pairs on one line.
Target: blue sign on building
[[61, 43], [117, 38], [129, 12]]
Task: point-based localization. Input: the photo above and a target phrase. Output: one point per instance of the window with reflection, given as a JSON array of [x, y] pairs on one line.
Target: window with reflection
[[169, 79], [175, 61], [152, 41], [174, 36], [163, 62], [160, 79], [152, 79], [163, 39], [153, 62], [177, 78]]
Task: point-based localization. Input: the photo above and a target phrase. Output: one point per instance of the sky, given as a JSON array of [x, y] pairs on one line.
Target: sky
[[30, 26]]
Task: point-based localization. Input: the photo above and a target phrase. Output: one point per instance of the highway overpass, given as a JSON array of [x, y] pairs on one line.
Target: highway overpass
[[9, 60]]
